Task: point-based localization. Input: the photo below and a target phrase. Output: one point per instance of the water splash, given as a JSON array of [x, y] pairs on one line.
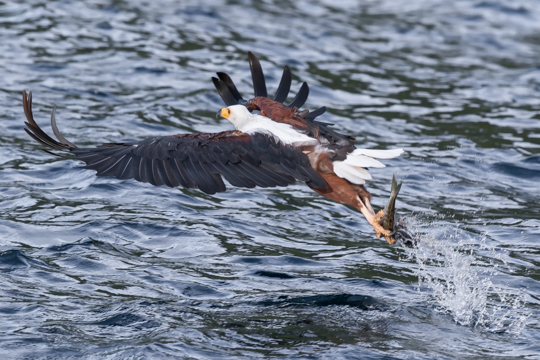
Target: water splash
[[452, 272]]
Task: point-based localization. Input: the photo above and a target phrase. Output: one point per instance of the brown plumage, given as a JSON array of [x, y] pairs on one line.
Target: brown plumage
[[277, 147], [190, 160]]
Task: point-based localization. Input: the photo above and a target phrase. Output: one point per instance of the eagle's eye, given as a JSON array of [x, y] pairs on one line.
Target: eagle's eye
[[226, 112]]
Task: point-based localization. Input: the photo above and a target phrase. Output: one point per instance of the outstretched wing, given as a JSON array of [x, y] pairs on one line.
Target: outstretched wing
[[231, 96], [190, 160]]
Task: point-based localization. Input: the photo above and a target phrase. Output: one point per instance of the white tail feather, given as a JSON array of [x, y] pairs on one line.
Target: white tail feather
[[348, 172], [363, 161], [352, 168], [378, 154], [362, 173]]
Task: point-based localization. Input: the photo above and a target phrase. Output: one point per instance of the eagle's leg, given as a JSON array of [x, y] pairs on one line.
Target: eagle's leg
[[345, 192], [373, 219]]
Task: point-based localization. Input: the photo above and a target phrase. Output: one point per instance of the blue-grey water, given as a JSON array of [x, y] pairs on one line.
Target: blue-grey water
[[104, 269]]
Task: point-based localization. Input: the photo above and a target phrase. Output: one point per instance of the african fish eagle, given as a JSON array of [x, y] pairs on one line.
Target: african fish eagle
[[273, 145]]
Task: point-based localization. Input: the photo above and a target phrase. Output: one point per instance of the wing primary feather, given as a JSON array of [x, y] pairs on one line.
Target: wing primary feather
[[314, 179], [257, 75], [232, 177], [149, 170], [188, 182], [159, 166], [102, 165], [49, 152], [237, 169], [90, 158], [301, 97], [35, 137], [114, 151], [298, 175], [112, 168], [205, 182], [37, 133], [224, 92], [142, 170], [303, 173], [174, 164], [313, 114], [226, 79], [125, 169], [187, 165], [27, 106], [158, 181], [135, 167], [95, 161], [43, 138], [254, 174], [277, 178], [210, 183], [57, 132], [284, 85], [218, 183], [171, 176]]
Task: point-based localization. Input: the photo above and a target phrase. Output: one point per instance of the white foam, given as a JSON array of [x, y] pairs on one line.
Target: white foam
[[449, 274]]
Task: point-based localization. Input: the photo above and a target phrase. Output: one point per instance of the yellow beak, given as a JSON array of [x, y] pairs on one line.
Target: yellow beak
[[226, 112]]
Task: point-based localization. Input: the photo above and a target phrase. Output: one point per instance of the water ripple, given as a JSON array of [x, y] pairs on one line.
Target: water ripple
[[101, 268]]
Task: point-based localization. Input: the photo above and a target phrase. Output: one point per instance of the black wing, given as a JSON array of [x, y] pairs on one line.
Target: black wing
[[231, 96], [190, 160]]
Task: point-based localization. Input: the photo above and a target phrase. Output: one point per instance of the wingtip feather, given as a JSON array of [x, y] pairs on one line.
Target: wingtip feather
[[257, 75], [301, 97], [33, 129], [284, 85]]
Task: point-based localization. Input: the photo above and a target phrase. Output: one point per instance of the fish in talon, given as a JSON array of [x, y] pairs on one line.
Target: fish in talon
[[397, 229], [389, 222]]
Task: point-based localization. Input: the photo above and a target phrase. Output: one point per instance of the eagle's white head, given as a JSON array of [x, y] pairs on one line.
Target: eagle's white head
[[238, 115], [250, 123]]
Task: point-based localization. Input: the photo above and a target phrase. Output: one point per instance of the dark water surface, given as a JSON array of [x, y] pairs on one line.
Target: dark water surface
[[101, 268]]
